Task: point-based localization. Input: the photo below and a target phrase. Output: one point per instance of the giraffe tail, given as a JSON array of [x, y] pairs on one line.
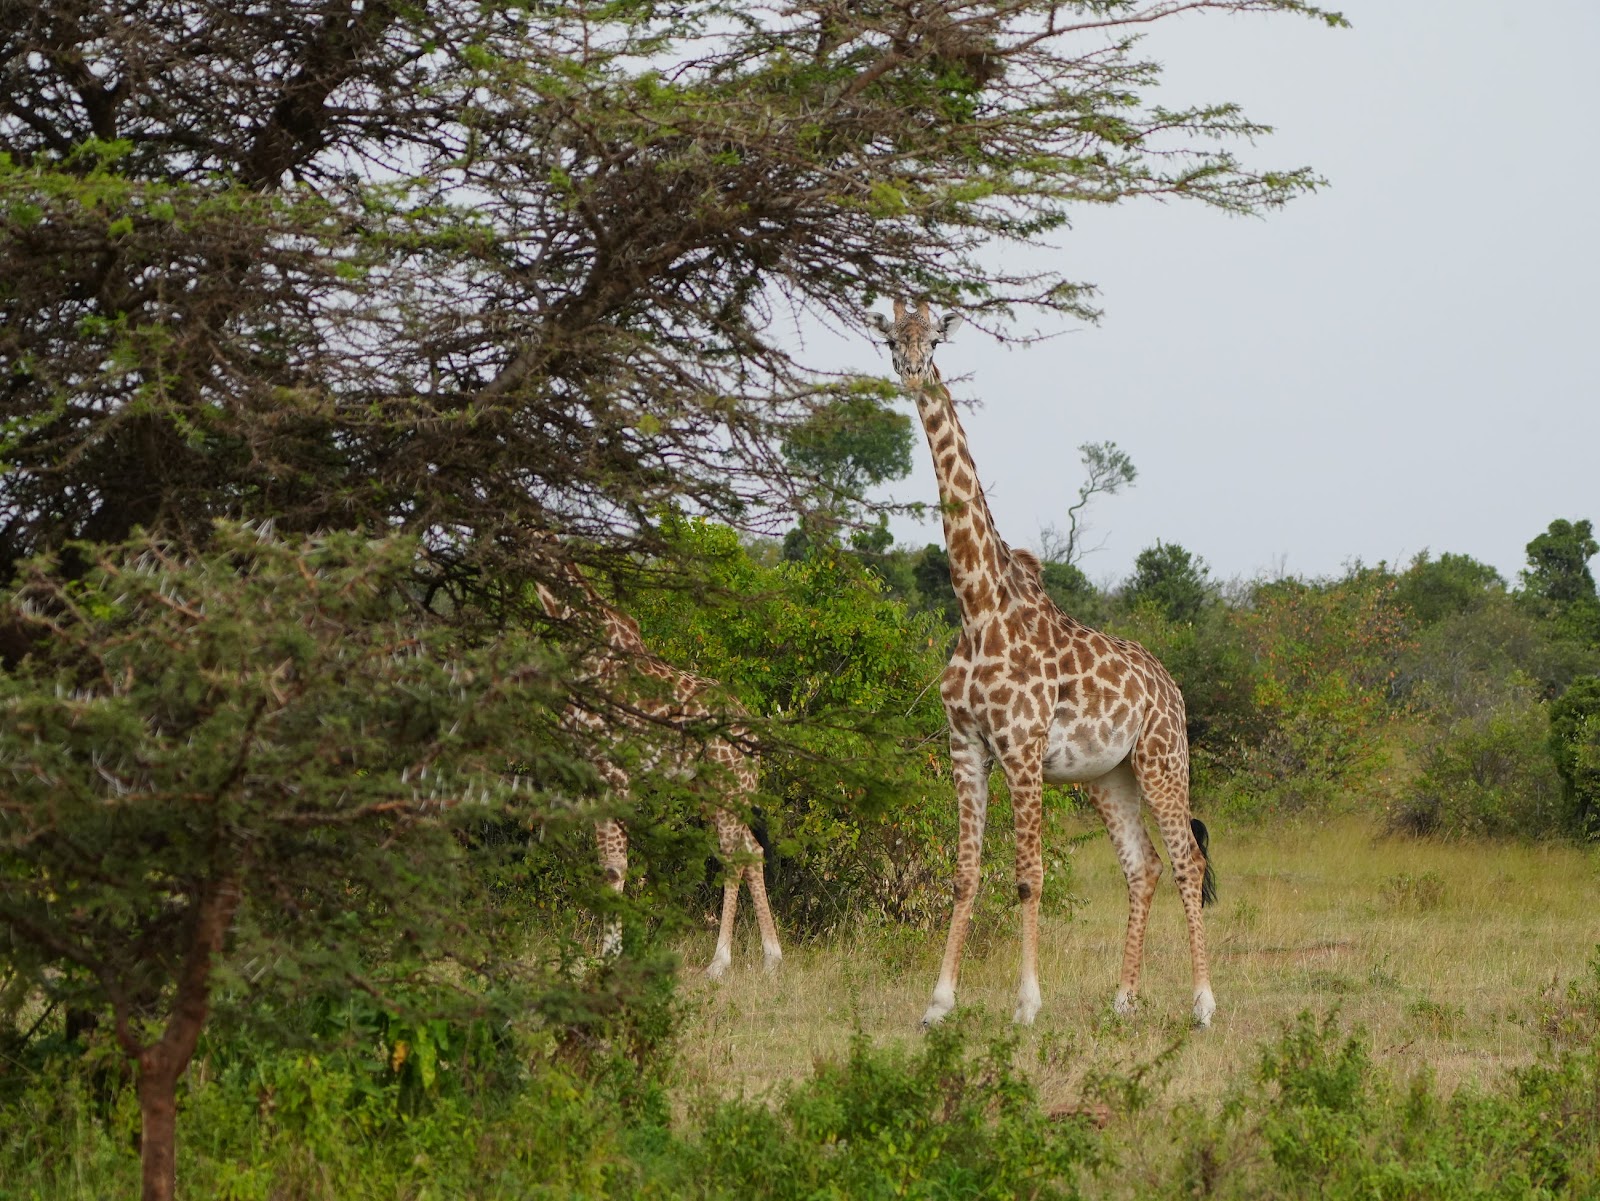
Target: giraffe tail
[[1208, 882]]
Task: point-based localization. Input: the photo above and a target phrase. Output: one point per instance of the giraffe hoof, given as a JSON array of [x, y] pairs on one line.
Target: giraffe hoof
[[1205, 1005], [716, 968], [1028, 1003], [1125, 1005], [772, 960], [937, 1010]]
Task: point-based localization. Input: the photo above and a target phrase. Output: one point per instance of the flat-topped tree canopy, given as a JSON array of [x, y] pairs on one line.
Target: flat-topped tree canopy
[[472, 270]]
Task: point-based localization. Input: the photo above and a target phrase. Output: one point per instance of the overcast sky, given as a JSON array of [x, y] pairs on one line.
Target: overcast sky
[[1404, 360]]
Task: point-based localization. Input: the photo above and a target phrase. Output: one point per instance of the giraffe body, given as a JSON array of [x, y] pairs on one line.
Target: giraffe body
[[1049, 700], [658, 703]]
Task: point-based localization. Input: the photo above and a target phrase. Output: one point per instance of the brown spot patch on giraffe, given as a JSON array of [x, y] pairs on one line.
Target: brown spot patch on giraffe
[[1110, 671], [994, 640], [1024, 890]]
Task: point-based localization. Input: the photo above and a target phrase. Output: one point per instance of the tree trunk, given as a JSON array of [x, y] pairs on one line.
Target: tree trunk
[[158, 1126], [161, 1064]]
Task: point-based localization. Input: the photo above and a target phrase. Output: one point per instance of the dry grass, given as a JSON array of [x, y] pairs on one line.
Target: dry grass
[[1439, 950]]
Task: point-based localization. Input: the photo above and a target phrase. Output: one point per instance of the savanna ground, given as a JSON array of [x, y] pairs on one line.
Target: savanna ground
[[1439, 950]]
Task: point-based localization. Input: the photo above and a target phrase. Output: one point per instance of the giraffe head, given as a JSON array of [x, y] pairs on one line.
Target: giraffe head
[[912, 335]]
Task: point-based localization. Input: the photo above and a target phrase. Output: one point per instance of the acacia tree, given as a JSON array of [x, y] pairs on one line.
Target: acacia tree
[[257, 730], [477, 269]]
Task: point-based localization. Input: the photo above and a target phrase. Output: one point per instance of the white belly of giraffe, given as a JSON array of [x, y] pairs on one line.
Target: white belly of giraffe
[[1075, 752]]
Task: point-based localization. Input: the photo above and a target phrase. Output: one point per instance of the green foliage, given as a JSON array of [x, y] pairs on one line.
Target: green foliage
[[852, 444], [845, 682], [1487, 774], [1575, 747], [369, 273], [1433, 589], [1325, 1121], [1471, 661], [1322, 1089], [505, 1118], [1558, 563], [1072, 591], [932, 1124], [254, 756], [1558, 582], [935, 591], [1170, 580], [1328, 653]]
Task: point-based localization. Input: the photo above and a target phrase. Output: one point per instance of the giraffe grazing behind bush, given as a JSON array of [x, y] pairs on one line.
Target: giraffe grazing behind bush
[[647, 699], [1052, 701]]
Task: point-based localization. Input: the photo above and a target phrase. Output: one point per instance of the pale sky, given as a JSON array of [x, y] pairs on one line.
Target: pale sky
[[1404, 360]]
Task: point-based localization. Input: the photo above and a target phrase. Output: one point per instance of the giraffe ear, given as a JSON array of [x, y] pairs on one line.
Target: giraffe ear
[[883, 324], [948, 324]]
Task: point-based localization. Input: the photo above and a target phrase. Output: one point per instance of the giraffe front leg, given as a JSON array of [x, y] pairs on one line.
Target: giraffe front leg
[[969, 761], [1024, 776]]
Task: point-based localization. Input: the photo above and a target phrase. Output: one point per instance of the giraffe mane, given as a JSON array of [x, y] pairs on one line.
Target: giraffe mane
[[1027, 560]]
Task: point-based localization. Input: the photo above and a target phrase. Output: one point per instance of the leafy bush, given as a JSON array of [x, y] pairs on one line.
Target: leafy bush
[[1469, 662], [934, 1123], [504, 1116], [1327, 653], [1321, 1119], [1575, 747], [843, 684], [1489, 774]]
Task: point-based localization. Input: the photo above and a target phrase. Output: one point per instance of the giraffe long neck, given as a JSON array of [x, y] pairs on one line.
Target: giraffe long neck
[[621, 631], [974, 546]]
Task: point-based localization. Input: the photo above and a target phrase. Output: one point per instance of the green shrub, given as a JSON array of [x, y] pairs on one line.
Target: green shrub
[[1575, 747], [1326, 654], [934, 1123], [842, 685], [1489, 774]]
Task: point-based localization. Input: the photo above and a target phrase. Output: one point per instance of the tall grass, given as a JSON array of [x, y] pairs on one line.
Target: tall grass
[[1397, 1019], [1440, 950]]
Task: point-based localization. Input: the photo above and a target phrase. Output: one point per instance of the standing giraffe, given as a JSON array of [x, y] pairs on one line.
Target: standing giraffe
[[646, 696], [1052, 701]]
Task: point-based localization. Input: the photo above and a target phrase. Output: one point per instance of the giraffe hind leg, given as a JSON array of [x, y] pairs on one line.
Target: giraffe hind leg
[[742, 860], [1115, 797], [1166, 790]]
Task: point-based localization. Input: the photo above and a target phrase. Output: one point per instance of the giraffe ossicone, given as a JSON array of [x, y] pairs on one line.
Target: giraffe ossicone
[[1051, 701], [658, 704]]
